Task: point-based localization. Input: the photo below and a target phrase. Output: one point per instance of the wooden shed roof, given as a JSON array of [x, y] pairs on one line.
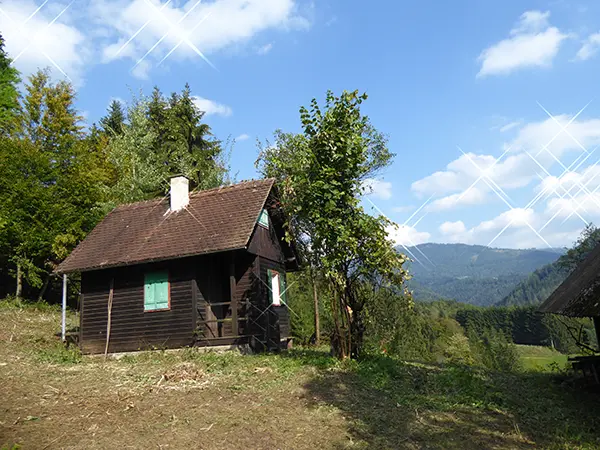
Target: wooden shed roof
[[215, 220], [579, 294]]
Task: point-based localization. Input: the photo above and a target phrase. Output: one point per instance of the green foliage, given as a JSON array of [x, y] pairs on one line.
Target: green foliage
[[48, 190], [132, 154], [301, 302], [493, 350], [321, 173], [472, 274], [161, 138], [9, 94], [587, 241], [525, 325], [58, 354], [114, 122], [59, 180], [539, 285]]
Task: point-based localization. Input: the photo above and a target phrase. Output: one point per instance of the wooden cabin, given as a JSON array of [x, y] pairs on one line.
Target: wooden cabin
[[200, 269], [579, 296]]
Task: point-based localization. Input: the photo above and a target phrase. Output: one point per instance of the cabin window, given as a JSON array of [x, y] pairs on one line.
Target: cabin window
[[277, 292], [156, 291], [263, 219]]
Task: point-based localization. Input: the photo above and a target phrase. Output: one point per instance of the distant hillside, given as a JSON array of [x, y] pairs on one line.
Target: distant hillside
[[537, 287], [472, 274]]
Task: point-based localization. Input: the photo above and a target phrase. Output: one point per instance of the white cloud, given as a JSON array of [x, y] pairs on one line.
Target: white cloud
[[378, 188], [242, 137], [34, 41], [190, 31], [473, 196], [210, 107], [264, 49], [510, 126], [516, 169], [449, 228], [406, 235], [589, 48], [515, 218], [532, 43]]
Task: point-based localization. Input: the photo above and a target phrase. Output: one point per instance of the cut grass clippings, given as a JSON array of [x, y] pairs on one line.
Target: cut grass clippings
[[56, 398]]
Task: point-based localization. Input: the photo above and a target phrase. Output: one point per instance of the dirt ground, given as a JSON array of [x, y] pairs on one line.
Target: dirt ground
[[51, 398]]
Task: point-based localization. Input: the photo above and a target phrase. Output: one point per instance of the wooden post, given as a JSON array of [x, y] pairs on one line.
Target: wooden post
[[316, 302], [233, 298], [19, 281], [108, 320], [597, 328], [63, 333]]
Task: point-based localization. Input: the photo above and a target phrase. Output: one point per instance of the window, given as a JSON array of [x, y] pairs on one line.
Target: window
[[277, 283], [156, 291], [263, 219]]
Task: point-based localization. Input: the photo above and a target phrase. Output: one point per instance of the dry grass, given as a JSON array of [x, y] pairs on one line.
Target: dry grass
[[53, 398]]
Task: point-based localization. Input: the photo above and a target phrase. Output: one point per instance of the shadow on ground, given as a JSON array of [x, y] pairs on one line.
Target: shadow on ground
[[392, 404]]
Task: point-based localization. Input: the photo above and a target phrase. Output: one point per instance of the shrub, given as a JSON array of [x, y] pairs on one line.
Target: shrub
[[493, 350], [458, 350]]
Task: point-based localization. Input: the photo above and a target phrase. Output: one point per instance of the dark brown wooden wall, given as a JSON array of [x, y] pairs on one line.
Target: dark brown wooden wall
[[200, 312], [264, 242], [279, 320], [132, 328], [266, 245], [213, 297]]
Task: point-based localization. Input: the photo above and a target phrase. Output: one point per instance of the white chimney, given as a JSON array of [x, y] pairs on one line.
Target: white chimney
[[180, 193]]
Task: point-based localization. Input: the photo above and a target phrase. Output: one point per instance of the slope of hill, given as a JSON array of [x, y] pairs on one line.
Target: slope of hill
[[472, 274], [537, 287]]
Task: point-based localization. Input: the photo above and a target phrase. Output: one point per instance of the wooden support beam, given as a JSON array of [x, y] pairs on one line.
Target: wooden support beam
[[64, 309], [597, 328], [233, 297]]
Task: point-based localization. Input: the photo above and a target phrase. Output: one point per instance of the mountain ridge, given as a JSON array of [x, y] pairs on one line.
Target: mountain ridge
[[474, 274]]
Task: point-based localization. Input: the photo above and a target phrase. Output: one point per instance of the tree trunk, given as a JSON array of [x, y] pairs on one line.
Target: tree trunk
[[44, 288], [19, 281], [316, 302], [338, 339]]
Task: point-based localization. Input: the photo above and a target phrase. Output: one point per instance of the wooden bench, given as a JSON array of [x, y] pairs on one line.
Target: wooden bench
[[589, 366]]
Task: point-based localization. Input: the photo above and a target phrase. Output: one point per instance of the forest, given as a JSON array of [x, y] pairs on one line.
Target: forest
[[370, 367], [61, 175]]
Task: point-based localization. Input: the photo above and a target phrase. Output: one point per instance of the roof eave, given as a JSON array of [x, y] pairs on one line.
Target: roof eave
[[144, 261]]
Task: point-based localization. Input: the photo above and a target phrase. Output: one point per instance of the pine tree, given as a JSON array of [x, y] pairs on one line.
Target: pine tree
[[113, 123], [9, 95]]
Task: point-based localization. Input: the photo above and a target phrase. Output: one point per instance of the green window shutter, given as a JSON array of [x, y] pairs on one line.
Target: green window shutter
[[282, 293], [263, 219], [149, 302], [156, 291]]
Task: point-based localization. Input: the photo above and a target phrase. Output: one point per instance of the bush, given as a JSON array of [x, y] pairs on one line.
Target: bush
[[458, 350], [493, 350]]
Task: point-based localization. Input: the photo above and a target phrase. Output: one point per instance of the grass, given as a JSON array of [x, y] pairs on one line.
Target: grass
[[301, 399], [536, 358]]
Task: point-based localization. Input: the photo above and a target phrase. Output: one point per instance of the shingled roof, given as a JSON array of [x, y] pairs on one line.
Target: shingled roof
[[579, 294], [215, 220]]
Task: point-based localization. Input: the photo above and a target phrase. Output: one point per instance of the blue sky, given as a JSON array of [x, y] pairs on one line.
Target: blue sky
[[453, 84]]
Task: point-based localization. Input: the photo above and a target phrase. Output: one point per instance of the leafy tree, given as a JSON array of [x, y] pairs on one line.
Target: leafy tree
[[338, 151], [49, 193], [9, 94], [50, 119], [139, 175], [587, 241]]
